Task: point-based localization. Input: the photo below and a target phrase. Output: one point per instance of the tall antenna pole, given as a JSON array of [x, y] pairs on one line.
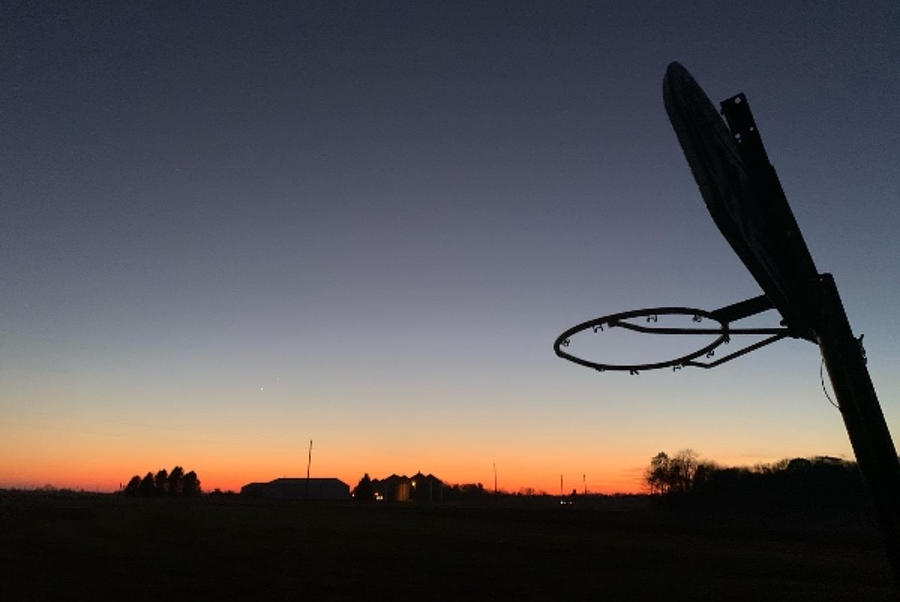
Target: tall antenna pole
[[495, 478], [308, 464]]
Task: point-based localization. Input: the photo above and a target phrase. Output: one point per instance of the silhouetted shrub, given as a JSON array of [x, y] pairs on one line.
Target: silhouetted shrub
[[174, 483], [175, 480], [134, 486], [161, 480], [147, 486], [364, 491], [190, 485]]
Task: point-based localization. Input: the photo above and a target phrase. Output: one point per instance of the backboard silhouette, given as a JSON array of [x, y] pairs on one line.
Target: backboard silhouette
[[743, 195]]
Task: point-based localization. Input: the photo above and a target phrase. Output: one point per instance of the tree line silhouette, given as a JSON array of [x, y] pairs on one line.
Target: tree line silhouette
[[418, 488], [163, 483], [816, 482]]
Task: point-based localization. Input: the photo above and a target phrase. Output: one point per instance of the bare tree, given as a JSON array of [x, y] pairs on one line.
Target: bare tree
[[672, 474], [657, 475]]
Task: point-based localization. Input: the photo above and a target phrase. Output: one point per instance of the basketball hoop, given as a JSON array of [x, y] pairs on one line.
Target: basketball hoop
[[747, 203], [631, 320]]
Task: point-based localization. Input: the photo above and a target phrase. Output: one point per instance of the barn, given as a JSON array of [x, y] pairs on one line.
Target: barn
[[299, 489]]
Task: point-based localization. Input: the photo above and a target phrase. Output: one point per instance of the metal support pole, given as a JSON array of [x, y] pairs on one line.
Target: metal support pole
[[868, 431]]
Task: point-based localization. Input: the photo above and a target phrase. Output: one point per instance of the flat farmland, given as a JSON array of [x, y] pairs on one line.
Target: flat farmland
[[93, 547]]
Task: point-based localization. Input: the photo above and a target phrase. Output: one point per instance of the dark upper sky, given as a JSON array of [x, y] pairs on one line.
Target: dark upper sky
[[404, 203]]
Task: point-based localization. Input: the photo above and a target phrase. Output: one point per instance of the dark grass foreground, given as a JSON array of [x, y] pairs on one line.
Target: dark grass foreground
[[57, 547]]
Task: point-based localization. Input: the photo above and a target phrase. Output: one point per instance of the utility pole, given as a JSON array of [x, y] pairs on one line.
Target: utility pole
[[308, 464]]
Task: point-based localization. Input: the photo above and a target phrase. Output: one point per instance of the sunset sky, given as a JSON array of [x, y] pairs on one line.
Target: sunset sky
[[230, 228]]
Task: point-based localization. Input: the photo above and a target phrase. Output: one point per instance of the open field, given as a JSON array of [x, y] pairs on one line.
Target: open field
[[82, 547]]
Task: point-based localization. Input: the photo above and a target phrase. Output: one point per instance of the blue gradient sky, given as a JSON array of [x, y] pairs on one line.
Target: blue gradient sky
[[227, 230]]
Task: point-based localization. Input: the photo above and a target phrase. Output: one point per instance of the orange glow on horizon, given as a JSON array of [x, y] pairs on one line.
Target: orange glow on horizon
[[92, 469], [71, 473], [85, 459]]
